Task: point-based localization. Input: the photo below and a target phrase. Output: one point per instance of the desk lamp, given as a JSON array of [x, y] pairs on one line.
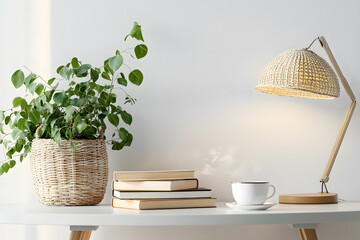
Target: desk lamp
[[302, 73]]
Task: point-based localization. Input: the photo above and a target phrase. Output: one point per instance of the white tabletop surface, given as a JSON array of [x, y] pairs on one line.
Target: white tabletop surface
[[105, 215]]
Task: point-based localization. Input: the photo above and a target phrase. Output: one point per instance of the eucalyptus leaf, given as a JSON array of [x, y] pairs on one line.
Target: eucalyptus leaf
[[136, 32], [30, 79], [75, 62], [51, 80], [123, 133], [114, 119], [81, 126], [18, 78], [2, 116], [12, 163], [65, 72], [106, 76], [115, 62], [129, 140], [141, 51], [17, 101], [136, 77], [32, 87], [82, 70], [5, 167], [21, 124], [59, 97], [73, 147], [126, 117], [69, 112], [57, 137], [122, 81], [94, 75], [34, 116], [39, 89]]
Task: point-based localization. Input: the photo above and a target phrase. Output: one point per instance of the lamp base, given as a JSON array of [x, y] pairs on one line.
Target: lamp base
[[309, 198]]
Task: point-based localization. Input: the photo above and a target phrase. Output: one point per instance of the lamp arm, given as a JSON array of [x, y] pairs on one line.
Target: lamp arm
[[345, 124]]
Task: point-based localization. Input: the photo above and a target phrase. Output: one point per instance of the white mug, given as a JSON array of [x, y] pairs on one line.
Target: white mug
[[251, 192]]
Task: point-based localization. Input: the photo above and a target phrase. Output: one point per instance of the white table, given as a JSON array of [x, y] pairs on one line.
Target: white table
[[83, 220]]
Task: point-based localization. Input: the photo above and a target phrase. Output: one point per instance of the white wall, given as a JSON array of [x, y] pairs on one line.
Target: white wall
[[197, 107]]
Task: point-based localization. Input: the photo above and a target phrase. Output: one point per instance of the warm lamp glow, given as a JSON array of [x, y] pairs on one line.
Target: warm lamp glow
[[299, 73]]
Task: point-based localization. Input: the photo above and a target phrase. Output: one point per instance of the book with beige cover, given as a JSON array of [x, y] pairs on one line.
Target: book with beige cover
[[146, 204], [194, 193], [156, 185], [148, 175]]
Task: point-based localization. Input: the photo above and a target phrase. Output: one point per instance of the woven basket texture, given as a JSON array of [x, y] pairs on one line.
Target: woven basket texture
[[64, 178], [299, 73]]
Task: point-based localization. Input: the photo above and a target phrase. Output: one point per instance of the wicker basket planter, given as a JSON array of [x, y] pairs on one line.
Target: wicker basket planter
[[64, 178]]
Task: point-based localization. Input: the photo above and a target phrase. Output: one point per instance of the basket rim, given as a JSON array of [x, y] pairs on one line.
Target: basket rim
[[73, 140]]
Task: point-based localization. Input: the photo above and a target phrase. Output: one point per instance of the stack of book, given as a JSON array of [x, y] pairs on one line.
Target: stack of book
[[158, 190]]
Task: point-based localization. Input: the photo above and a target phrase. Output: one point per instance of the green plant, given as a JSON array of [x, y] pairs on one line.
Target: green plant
[[77, 105]]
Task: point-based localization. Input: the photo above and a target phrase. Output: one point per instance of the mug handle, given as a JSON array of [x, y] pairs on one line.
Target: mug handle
[[273, 187]]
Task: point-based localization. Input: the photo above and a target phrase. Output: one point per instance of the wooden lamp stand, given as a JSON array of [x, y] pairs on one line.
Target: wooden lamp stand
[[326, 197]]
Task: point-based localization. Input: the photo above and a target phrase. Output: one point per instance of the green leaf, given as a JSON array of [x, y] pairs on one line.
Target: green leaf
[[141, 51], [12, 163], [115, 62], [39, 89], [7, 120], [57, 137], [76, 102], [21, 124], [2, 116], [32, 87], [75, 62], [114, 119], [69, 112], [18, 78], [106, 76], [122, 81], [59, 69], [10, 152], [30, 79], [112, 97], [65, 72], [34, 116], [82, 70], [59, 97], [136, 32], [94, 75], [73, 147], [15, 133], [126, 117], [123, 133], [129, 140], [117, 145], [51, 80], [17, 101], [19, 145], [136, 77], [107, 68], [23, 104], [5, 167], [81, 126]]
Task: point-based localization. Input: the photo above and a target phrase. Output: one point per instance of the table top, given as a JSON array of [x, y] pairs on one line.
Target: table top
[[105, 215]]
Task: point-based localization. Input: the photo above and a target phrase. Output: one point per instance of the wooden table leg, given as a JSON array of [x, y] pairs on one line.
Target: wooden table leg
[[80, 235], [307, 234], [75, 235], [85, 235]]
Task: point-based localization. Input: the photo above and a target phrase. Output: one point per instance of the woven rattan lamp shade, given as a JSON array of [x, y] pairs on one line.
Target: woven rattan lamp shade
[[299, 73]]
